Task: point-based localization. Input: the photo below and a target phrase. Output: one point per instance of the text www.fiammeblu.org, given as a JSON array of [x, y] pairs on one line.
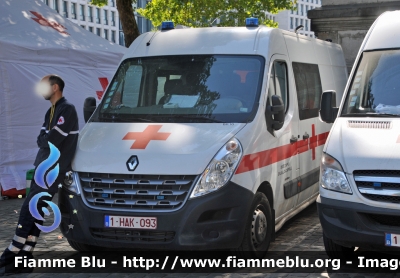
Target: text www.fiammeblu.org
[[231, 262]]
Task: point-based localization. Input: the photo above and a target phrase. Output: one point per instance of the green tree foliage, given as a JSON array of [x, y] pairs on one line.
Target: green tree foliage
[[203, 13]]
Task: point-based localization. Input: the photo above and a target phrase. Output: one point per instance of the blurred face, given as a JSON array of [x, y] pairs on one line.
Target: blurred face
[[45, 89]]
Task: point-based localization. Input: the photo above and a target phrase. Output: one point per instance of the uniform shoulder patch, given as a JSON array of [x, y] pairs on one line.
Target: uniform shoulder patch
[[61, 120]]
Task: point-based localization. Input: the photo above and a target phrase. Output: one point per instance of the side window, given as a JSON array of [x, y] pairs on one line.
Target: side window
[[278, 84], [309, 89]]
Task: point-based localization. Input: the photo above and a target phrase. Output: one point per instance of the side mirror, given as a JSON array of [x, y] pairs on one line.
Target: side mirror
[[328, 111], [278, 112], [88, 108]]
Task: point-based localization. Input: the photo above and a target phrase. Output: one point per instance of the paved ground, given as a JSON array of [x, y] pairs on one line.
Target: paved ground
[[302, 233]]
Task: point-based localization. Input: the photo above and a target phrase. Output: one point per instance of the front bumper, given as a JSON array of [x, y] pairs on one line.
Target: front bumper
[[213, 221], [355, 224]]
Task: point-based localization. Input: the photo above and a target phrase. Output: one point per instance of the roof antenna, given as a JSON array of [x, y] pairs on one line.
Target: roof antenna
[[149, 42], [298, 28]]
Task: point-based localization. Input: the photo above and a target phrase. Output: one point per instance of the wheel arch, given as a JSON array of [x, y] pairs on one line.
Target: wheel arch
[[266, 188]]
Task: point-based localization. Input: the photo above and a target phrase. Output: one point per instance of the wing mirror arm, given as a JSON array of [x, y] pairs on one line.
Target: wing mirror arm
[[88, 108], [277, 110], [328, 112]]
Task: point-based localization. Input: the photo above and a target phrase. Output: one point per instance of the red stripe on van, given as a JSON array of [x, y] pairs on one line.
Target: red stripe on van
[[261, 159]]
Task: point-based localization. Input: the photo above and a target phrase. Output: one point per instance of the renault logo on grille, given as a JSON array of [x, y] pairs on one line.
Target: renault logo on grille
[[132, 163]]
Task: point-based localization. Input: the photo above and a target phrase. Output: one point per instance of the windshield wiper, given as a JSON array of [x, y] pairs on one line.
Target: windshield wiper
[[118, 118], [195, 117], [384, 114], [377, 115]]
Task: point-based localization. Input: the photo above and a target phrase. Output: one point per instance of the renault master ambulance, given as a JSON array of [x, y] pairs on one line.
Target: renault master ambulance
[[205, 138], [360, 169]]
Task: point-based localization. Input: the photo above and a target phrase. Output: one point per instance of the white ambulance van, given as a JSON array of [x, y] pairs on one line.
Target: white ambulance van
[[205, 138], [360, 170]]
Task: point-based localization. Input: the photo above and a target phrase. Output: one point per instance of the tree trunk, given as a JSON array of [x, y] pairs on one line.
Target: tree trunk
[[128, 21]]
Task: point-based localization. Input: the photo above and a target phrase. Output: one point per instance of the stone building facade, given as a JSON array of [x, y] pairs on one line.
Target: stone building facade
[[346, 22]]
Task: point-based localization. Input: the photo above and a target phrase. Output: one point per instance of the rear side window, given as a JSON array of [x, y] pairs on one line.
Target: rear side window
[[309, 89]]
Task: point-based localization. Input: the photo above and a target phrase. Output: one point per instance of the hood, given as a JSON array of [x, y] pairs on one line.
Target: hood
[[165, 148], [365, 143]]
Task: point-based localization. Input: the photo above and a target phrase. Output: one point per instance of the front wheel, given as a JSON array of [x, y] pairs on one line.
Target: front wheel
[[259, 228], [336, 251]]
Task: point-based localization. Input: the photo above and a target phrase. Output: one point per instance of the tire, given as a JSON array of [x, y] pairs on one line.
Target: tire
[[336, 251], [257, 238], [81, 247]]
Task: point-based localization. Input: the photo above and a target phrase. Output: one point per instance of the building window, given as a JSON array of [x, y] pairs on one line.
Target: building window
[[316, 1], [83, 26], [297, 22], [291, 23], [105, 21], [302, 9], [82, 12], [55, 6], [113, 36], [98, 31], [112, 3], [65, 9], [121, 38], [90, 14], [73, 10], [97, 15], [112, 18], [301, 22], [306, 25], [91, 29], [106, 34], [46, 2], [297, 9], [309, 89]]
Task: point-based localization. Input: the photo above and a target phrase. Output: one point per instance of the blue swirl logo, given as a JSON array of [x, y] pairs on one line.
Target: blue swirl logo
[[45, 182]]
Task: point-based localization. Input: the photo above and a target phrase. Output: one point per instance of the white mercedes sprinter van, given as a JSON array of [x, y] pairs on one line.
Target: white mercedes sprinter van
[[360, 170], [205, 138]]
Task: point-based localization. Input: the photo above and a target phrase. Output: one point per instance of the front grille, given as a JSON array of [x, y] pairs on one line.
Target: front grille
[[379, 185], [132, 235], [387, 220], [384, 173], [135, 192]]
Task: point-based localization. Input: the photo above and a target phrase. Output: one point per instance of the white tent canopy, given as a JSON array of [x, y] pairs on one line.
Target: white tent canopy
[[36, 41]]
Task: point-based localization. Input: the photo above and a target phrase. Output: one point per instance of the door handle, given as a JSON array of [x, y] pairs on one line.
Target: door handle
[[306, 136], [293, 139]]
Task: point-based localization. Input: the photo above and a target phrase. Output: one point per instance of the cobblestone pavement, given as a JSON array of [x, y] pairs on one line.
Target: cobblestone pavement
[[301, 233]]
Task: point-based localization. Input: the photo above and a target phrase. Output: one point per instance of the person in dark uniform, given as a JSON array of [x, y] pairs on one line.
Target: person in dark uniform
[[60, 128]]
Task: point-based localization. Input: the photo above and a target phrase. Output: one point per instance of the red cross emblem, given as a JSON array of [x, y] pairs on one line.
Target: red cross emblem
[[313, 141], [50, 23], [104, 84], [142, 139]]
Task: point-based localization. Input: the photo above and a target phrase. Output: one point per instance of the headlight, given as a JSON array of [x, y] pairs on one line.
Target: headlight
[[332, 176], [220, 169], [70, 183]]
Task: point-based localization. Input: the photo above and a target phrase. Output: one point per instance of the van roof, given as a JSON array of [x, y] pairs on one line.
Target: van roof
[[211, 40], [385, 32]]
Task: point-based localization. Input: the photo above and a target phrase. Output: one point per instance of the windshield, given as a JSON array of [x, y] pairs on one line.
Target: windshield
[[209, 88], [375, 89]]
